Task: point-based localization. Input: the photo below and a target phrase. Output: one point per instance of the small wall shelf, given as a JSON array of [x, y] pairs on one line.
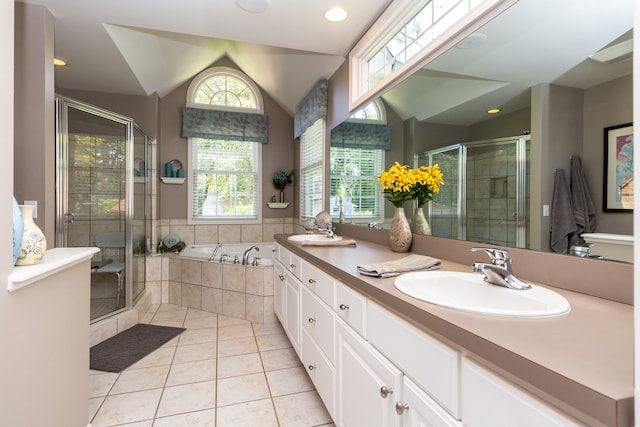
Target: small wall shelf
[[170, 180], [274, 205]]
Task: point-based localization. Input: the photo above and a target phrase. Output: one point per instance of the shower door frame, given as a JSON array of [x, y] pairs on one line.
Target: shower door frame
[[63, 216], [520, 213]]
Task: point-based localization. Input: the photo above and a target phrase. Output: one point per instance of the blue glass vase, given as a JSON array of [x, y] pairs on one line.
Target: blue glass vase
[[18, 229]]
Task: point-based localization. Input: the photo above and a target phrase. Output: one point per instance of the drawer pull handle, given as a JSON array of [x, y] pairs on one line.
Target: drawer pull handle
[[312, 367], [311, 281], [401, 408], [385, 391], [312, 320], [292, 265], [281, 277], [344, 307]]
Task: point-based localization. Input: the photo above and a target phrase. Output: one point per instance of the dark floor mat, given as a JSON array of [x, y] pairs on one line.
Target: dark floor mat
[[126, 348]]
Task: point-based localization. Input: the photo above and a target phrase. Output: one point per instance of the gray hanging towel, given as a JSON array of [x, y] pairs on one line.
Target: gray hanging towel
[[563, 224], [584, 212]]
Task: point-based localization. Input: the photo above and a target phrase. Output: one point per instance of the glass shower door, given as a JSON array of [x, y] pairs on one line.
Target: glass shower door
[[92, 189]]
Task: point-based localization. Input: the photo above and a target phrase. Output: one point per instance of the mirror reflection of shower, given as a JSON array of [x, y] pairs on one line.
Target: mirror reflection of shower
[[100, 202], [486, 193]]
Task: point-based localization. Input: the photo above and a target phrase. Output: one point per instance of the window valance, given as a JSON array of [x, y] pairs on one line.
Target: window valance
[[224, 125], [311, 108], [361, 135]]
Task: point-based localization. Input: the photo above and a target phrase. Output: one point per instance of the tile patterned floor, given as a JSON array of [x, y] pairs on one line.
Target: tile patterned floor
[[220, 372]]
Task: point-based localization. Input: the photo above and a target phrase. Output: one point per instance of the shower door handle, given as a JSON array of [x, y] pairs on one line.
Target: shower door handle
[[69, 218]]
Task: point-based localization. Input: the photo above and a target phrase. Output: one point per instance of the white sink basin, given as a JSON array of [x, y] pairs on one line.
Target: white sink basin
[[312, 238], [469, 292]]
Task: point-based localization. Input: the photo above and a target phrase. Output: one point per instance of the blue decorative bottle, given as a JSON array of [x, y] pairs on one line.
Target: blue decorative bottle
[[18, 229]]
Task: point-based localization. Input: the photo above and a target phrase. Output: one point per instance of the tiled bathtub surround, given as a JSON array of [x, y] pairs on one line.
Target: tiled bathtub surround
[[244, 292]]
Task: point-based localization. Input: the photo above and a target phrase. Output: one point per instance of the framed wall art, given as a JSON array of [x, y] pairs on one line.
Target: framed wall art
[[618, 168]]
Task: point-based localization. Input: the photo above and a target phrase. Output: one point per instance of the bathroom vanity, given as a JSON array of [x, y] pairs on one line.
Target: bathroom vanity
[[379, 357]]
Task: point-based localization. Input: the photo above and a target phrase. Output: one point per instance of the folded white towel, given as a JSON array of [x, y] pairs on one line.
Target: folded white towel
[[411, 262]]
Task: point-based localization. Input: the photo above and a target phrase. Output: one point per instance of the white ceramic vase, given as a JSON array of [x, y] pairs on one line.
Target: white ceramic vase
[[34, 244]]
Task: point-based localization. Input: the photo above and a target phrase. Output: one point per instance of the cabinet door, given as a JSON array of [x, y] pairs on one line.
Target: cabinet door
[[418, 409], [489, 400], [278, 290], [367, 385], [292, 310], [320, 370]]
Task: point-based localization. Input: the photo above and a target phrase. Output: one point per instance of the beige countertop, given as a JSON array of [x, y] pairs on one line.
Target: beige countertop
[[581, 362]]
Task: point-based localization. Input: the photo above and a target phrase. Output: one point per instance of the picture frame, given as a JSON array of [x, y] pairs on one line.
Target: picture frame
[[618, 168]]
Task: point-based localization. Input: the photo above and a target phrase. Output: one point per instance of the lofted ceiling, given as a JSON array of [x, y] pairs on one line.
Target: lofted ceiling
[[534, 41], [141, 47]]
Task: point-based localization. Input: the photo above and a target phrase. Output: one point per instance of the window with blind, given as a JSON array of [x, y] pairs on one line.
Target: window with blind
[[224, 180], [354, 172], [354, 182], [311, 156]]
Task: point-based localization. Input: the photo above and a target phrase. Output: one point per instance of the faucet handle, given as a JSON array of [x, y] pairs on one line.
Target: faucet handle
[[494, 253]]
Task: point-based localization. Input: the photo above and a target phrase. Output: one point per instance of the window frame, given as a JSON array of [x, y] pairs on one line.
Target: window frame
[[381, 119], [191, 92]]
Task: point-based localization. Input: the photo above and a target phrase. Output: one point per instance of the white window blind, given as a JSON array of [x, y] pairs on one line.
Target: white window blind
[[224, 179], [311, 156], [354, 182]]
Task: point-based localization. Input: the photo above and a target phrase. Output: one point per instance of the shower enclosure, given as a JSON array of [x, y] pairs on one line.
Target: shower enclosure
[[486, 193], [101, 199]]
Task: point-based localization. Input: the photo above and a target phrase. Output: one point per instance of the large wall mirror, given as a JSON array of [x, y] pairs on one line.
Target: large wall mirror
[[559, 72]]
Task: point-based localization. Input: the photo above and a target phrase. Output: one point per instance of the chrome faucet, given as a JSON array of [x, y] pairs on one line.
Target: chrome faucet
[[327, 228], [498, 272], [245, 257], [215, 250]]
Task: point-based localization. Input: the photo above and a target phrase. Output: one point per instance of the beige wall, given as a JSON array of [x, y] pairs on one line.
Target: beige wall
[[605, 105], [34, 158], [277, 154]]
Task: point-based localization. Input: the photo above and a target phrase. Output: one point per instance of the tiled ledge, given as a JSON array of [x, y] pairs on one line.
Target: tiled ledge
[[54, 261]]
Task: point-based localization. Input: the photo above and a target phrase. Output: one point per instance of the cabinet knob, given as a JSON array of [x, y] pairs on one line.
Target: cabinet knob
[[344, 306], [292, 265], [312, 320], [401, 407], [312, 367], [385, 391], [281, 277], [312, 281]]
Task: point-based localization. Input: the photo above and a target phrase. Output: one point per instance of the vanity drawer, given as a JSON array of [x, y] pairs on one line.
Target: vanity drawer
[[351, 307], [318, 282], [317, 320], [431, 364]]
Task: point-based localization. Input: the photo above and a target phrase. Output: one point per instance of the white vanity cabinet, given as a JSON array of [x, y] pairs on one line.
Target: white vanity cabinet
[[372, 368]]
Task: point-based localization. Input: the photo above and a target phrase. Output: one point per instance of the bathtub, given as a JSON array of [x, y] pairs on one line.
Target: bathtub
[[264, 255]]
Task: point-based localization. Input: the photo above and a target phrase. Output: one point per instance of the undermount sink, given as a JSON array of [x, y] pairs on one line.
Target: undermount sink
[[469, 292], [313, 238]]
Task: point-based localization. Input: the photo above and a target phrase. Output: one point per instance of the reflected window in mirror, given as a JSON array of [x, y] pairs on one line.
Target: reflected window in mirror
[[311, 176], [357, 159]]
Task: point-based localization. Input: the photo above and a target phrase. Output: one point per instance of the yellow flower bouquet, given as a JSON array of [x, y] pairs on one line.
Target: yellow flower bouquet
[[402, 183]]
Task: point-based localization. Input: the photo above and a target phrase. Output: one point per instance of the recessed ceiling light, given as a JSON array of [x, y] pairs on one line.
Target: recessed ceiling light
[[494, 110], [253, 6], [336, 14], [61, 62]]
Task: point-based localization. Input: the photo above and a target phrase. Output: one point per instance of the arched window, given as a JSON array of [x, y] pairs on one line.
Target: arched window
[[355, 168], [225, 183]]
